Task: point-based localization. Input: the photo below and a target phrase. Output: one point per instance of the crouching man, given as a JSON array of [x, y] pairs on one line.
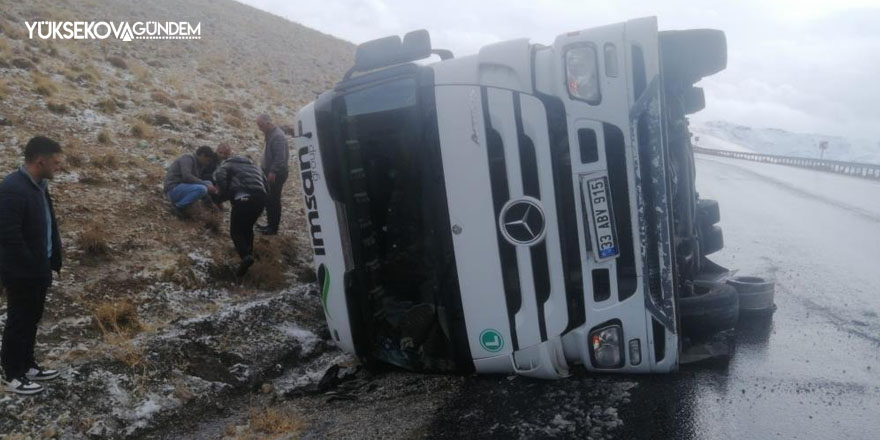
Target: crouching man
[[30, 249], [183, 183], [242, 182]]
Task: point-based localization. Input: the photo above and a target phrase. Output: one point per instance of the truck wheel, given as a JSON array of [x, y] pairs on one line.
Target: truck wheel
[[755, 294], [689, 55], [711, 239], [708, 212], [713, 308]]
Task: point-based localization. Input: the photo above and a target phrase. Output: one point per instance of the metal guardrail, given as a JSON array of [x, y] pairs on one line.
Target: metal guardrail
[[866, 170]]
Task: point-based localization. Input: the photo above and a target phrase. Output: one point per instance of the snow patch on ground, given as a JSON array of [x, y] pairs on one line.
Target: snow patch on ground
[[312, 373], [715, 143], [307, 339], [785, 143]]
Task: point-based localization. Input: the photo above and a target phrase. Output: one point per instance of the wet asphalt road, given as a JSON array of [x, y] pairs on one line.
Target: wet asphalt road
[[810, 372], [813, 372]]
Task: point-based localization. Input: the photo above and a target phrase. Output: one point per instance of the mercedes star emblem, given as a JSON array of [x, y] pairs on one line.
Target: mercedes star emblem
[[522, 221]]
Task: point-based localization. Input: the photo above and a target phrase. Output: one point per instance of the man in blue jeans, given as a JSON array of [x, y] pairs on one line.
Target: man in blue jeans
[[183, 183]]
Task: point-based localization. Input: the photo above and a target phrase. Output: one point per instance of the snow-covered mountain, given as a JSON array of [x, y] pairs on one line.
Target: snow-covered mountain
[[727, 136]]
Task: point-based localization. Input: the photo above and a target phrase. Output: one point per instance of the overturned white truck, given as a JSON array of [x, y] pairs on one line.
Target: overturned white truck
[[523, 210]]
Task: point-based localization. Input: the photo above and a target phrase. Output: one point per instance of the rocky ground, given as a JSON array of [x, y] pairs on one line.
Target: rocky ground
[[155, 336], [147, 319]]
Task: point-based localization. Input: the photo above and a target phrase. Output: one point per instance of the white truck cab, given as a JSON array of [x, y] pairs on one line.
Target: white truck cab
[[522, 210]]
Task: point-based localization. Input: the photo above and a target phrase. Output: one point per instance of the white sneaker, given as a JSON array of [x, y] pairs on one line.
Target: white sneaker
[[23, 385], [40, 373]]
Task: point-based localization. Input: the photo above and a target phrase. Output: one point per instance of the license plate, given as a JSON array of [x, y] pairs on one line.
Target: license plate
[[605, 234]]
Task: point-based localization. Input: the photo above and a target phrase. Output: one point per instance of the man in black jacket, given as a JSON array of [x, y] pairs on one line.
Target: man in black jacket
[[242, 182], [274, 163], [30, 249], [223, 152]]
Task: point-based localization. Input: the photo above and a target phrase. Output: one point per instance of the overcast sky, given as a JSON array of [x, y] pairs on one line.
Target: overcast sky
[[809, 66]]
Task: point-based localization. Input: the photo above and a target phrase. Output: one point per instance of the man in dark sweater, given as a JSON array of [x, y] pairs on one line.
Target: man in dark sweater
[[241, 182], [276, 155], [223, 152], [30, 249], [183, 183]]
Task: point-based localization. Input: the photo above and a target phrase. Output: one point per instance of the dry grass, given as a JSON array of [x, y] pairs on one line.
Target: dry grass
[[74, 158], [203, 108], [14, 32], [90, 73], [154, 176], [91, 178], [174, 81], [4, 46], [107, 105], [105, 137], [93, 241], [180, 273], [4, 91], [43, 85], [231, 108], [108, 160], [117, 319], [141, 130], [269, 423], [141, 72], [212, 220], [117, 62], [163, 98], [269, 270], [233, 122], [73, 154], [125, 352], [57, 107]]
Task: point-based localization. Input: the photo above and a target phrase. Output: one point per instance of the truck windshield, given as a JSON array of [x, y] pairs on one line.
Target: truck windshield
[[393, 218], [383, 97]]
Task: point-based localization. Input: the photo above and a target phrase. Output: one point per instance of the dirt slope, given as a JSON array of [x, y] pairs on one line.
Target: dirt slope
[[146, 317]]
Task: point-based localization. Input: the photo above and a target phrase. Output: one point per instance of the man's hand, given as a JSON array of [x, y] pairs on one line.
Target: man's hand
[[212, 189], [271, 177]]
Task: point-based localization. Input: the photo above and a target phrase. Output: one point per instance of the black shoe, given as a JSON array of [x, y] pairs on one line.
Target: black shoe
[[245, 264], [23, 385], [268, 231], [261, 228], [38, 373]]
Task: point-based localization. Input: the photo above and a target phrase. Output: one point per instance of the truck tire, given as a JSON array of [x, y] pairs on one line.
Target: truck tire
[[713, 308], [755, 294], [708, 212], [693, 99], [711, 239], [689, 55]]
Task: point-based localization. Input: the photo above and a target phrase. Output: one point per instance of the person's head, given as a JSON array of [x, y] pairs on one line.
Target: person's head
[[224, 151], [205, 155], [42, 157], [264, 121]]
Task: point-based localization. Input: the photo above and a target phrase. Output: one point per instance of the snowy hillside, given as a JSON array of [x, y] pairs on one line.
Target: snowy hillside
[[727, 136]]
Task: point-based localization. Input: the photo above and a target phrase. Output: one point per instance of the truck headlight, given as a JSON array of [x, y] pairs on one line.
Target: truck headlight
[[582, 74], [606, 347]]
